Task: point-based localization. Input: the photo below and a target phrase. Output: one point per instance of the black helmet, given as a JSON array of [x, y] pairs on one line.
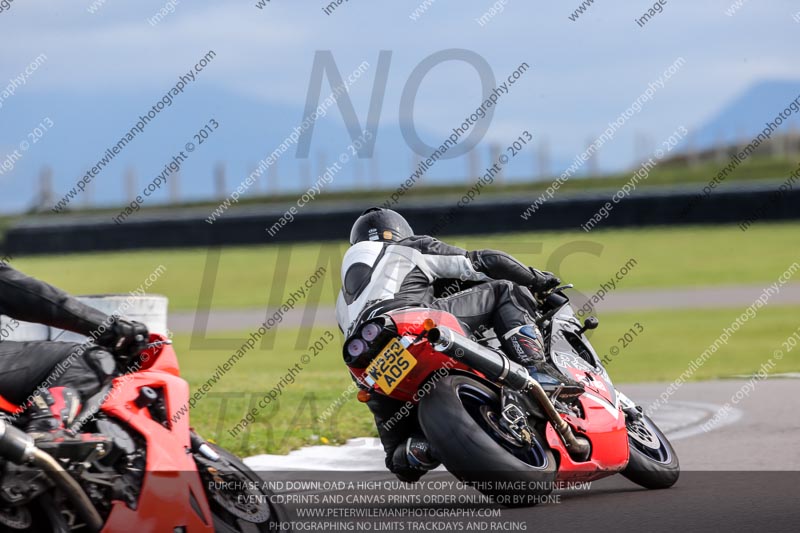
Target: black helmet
[[379, 224]]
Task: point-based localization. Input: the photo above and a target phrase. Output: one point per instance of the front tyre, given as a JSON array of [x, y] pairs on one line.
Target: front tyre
[[461, 419], [237, 511], [653, 463]]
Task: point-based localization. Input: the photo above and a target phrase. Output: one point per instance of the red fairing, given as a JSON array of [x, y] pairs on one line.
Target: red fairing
[[606, 433], [409, 323], [594, 383], [9, 407], [171, 480]]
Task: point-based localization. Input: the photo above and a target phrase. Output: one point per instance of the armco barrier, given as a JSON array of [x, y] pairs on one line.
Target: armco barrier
[[185, 228]]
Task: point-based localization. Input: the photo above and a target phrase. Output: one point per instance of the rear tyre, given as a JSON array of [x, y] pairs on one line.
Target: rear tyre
[[653, 463], [460, 419]]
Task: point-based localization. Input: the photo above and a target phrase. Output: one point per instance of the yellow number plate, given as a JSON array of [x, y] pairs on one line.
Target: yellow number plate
[[390, 367]]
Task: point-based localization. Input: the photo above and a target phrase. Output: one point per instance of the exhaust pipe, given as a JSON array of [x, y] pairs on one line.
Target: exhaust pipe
[[500, 368], [19, 448]]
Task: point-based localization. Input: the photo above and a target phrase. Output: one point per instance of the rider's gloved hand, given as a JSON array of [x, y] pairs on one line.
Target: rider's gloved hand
[[125, 338], [544, 281]]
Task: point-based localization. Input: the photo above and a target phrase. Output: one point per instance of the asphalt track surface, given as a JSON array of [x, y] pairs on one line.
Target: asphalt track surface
[[639, 300], [742, 474]]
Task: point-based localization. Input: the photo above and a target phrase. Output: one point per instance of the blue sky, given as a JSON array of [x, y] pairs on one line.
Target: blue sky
[[104, 69]]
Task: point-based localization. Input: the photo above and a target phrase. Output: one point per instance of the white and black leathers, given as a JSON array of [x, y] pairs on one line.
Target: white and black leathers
[[377, 273]]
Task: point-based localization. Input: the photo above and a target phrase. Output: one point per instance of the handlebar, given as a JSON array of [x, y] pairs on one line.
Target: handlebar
[[158, 343], [563, 287], [551, 301], [543, 295]]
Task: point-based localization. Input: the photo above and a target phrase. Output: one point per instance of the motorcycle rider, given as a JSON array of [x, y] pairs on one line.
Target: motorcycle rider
[[60, 374], [388, 267]]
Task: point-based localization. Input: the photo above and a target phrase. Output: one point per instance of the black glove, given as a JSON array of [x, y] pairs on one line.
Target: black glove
[[125, 338], [544, 281]]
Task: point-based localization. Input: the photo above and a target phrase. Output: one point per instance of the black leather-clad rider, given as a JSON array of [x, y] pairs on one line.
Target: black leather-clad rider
[[51, 379], [388, 266]]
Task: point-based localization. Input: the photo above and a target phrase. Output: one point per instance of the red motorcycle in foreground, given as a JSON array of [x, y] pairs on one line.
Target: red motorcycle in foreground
[[134, 464], [490, 423]]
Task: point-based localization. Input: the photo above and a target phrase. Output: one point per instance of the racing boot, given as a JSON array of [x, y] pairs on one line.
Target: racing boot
[[52, 410], [524, 345], [412, 459], [50, 413]]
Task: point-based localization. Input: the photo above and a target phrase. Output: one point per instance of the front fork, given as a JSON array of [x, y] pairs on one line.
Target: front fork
[[631, 410], [199, 445]]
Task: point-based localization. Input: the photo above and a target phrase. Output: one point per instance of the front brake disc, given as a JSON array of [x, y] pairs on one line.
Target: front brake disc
[[639, 432]]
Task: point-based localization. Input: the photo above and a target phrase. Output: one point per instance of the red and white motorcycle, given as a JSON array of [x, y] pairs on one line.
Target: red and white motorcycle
[[487, 419]]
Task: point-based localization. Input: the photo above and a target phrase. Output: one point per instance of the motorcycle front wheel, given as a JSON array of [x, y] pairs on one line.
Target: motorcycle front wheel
[[240, 510], [461, 420], [653, 463]]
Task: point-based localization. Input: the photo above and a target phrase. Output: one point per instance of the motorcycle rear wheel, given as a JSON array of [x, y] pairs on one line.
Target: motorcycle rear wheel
[[460, 420]]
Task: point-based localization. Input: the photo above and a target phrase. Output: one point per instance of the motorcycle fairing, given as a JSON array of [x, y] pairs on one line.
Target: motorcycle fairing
[[567, 359], [172, 492], [409, 323]]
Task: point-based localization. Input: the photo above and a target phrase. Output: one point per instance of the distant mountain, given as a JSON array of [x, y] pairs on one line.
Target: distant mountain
[[745, 116], [85, 125]]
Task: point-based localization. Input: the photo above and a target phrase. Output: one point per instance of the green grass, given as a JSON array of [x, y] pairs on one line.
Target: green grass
[[250, 276], [670, 340], [292, 421]]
